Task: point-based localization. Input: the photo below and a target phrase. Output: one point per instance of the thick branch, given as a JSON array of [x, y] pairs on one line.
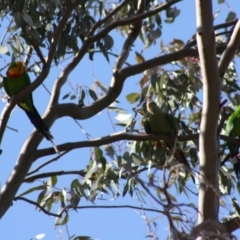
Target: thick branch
[[232, 224], [208, 140], [121, 136], [230, 50]]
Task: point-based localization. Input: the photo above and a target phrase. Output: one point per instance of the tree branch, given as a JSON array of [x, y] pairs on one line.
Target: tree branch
[[133, 20], [121, 206], [50, 174], [101, 22], [87, 207], [232, 224], [40, 207], [46, 163], [208, 139], [122, 136], [230, 50]]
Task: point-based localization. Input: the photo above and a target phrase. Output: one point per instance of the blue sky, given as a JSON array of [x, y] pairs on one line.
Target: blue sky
[[23, 221]]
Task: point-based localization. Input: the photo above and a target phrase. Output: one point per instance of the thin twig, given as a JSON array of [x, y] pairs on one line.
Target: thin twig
[[46, 163], [42, 208]]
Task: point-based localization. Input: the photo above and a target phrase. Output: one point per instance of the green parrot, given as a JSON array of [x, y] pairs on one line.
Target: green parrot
[[158, 122], [17, 79], [233, 130]]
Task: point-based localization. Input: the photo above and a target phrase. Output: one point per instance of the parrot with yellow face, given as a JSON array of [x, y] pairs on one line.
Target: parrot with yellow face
[[158, 122], [16, 80]]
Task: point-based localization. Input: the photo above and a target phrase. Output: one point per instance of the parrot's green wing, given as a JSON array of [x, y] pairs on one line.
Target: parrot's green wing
[[146, 125], [5, 85], [173, 122], [230, 123], [233, 129]]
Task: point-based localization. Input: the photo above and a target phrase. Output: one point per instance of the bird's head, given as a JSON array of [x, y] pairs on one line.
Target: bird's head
[[151, 106], [16, 69]]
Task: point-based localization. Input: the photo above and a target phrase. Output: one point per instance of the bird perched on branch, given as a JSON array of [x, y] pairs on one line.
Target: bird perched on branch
[[158, 122], [18, 79], [233, 130]]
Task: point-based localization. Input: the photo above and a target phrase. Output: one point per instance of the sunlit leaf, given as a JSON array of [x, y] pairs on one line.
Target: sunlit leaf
[[133, 97], [39, 236], [4, 50], [231, 16], [123, 117], [41, 187], [139, 58]]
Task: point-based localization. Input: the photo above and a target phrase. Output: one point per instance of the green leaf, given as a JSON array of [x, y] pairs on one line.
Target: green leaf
[[99, 157], [41, 187], [139, 58], [92, 94], [101, 86], [54, 180], [51, 182], [61, 221], [236, 205], [127, 160], [28, 19], [158, 19], [83, 238], [73, 97], [109, 150], [90, 171], [137, 160], [127, 186], [156, 33], [75, 187], [66, 96], [74, 200], [117, 109], [133, 97], [41, 196], [82, 97], [231, 16], [108, 42], [171, 14], [154, 81]]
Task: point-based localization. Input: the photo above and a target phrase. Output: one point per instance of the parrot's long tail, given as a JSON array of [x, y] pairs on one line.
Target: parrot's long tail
[[178, 154], [39, 124]]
